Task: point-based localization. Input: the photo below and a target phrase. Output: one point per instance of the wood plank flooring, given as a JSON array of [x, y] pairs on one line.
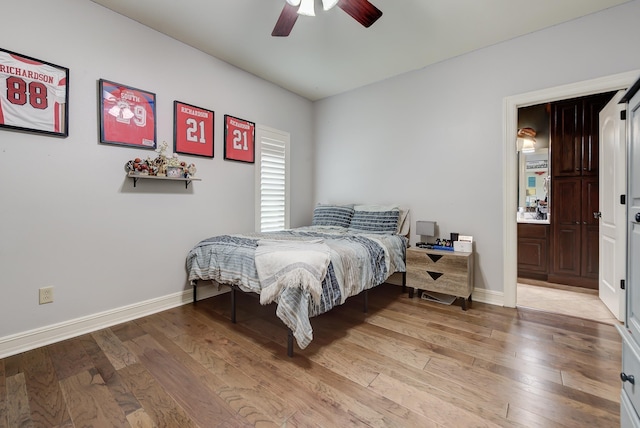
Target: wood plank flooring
[[405, 363]]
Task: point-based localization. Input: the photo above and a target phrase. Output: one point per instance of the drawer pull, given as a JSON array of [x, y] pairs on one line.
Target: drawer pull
[[434, 275], [434, 257], [628, 378]]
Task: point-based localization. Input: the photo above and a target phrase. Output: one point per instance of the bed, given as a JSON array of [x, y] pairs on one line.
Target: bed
[[307, 271]]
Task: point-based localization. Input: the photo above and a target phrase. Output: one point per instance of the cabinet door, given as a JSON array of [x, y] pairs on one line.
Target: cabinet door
[[575, 135], [566, 139], [567, 226], [591, 134], [590, 228], [566, 205], [590, 201], [532, 255], [566, 250], [589, 266]]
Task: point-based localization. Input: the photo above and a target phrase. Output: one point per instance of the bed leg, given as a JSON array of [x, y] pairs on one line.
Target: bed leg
[[366, 301], [233, 304], [290, 343], [194, 284], [404, 282]]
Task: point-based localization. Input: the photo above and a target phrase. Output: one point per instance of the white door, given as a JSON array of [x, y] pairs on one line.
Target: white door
[[613, 230], [633, 221]]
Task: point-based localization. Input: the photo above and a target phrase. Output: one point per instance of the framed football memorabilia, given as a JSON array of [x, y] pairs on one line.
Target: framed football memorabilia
[[34, 95], [127, 115], [239, 139], [192, 130]]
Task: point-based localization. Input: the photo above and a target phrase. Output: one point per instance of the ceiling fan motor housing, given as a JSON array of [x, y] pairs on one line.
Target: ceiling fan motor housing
[[360, 10]]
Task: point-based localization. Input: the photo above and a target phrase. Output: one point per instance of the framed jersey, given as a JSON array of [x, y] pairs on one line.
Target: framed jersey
[[192, 130], [239, 136], [34, 95], [127, 115]]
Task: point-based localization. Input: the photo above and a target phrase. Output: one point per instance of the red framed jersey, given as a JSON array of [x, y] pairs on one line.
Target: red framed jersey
[[192, 129], [239, 139], [127, 115]]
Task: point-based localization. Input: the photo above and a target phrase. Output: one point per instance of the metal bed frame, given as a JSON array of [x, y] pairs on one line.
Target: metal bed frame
[[235, 289]]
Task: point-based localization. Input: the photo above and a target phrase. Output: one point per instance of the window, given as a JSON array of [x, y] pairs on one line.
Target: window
[[272, 179]]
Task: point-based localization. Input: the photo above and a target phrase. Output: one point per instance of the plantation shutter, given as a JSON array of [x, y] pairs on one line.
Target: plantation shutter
[[273, 185]]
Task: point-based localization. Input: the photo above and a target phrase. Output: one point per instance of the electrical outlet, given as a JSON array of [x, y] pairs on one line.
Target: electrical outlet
[[46, 295]]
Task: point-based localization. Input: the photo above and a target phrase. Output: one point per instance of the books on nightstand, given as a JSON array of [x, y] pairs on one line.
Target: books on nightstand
[[442, 247], [464, 244]]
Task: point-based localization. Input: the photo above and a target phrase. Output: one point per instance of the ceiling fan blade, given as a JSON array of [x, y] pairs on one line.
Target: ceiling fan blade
[[361, 10], [287, 18]]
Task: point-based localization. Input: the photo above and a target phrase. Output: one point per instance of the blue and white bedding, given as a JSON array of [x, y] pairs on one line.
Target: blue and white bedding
[[358, 262]]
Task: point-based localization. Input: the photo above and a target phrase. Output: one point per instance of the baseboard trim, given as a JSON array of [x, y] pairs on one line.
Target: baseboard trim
[[488, 296], [28, 340]]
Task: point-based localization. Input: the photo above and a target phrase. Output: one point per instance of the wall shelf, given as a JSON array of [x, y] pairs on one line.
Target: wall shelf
[[136, 177]]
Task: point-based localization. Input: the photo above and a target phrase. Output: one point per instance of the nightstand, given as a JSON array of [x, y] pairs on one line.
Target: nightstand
[[447, 272]]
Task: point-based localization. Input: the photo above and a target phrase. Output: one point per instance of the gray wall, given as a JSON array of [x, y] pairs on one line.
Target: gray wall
[[432, 139], [70, 219]]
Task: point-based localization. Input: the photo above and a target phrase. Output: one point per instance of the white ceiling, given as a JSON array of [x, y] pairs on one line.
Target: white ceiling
[[331, 53]]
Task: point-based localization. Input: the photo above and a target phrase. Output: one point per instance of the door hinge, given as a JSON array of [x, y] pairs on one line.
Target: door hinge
[[623, 199], [623, 115], [622, 285]]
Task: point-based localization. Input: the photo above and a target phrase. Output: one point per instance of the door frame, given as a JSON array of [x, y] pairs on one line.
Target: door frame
[[510, 160]]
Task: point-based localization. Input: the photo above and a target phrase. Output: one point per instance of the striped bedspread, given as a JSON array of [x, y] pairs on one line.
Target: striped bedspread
[[357, 262]]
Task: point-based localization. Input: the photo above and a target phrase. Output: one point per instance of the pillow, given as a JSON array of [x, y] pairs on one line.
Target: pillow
[[404, 220], [332, 215], [364, 221]]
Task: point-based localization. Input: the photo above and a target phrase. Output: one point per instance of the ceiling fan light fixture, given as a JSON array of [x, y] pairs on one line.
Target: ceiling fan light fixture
[[328, 4], [307, 8], [361, 10]]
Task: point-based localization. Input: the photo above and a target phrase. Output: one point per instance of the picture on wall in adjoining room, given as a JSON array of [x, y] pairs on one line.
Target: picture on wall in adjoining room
[[127, 115], [34, 95], [239, 139], [192, 130]]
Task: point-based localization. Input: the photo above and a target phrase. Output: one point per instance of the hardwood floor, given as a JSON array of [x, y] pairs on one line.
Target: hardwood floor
[[406, 363]]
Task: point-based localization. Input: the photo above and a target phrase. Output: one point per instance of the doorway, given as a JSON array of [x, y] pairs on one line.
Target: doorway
[[563, 299], [511, 105]]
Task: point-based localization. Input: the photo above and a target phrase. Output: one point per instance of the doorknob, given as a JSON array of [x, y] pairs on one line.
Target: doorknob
[[638, 217], [627, 378], [597, 214]]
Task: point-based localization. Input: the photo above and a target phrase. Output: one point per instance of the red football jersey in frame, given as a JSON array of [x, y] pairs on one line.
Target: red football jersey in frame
[[128, 115], [192, 130], [239, 139]]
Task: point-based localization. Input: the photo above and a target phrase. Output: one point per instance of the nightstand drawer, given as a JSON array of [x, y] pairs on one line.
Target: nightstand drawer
[[445, 272], [419, 262]]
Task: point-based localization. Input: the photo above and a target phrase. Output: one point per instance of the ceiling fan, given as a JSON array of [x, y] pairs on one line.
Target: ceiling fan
[[360, 10]]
